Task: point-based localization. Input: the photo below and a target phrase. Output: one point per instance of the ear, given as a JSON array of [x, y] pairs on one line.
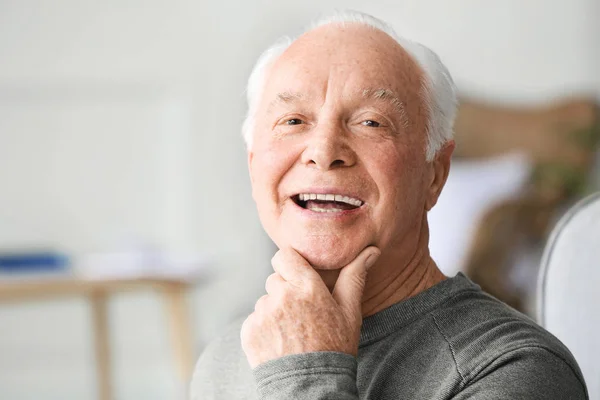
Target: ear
[[440, 167], [251, 171], [250, 158]]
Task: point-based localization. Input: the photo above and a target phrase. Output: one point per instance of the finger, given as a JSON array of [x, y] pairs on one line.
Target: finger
[[274, 283], [292, 267], [261, 303], [246, 332], [348, 289]]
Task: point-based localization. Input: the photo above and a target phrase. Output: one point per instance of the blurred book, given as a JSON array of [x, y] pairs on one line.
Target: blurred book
[[36, 262]]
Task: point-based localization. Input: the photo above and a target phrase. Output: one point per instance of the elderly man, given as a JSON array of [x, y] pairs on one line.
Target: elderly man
[[349, 135]]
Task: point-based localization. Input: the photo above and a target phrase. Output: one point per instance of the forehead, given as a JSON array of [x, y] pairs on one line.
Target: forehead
[[344, 59]]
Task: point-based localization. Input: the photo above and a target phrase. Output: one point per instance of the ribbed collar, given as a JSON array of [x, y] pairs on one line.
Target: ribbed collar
[[400, 314]]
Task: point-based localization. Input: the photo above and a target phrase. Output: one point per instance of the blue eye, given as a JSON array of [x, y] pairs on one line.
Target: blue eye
[[371, 123], [293, 121]]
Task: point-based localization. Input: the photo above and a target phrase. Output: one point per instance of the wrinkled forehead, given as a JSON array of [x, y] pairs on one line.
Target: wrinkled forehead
[[354, 57]]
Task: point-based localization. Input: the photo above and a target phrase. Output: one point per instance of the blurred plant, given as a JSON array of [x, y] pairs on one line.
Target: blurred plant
[[562, 143], [562, 179]]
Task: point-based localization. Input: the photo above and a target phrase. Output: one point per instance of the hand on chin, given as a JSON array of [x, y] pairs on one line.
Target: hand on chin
[[328, 264], [328, 259], [299, 314]]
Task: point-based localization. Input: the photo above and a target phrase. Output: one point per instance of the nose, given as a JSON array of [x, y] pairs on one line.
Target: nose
[[328, 148]]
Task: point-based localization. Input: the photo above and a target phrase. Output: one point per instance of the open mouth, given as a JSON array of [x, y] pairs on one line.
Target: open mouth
[[326, 203]]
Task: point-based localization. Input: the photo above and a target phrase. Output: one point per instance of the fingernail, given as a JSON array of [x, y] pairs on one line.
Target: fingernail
[[371, 260]]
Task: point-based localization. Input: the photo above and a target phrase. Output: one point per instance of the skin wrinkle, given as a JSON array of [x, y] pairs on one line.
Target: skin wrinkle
[[399, 287], [285, 98], [392, 98], [322, 288], [288, 98], [389, 172]]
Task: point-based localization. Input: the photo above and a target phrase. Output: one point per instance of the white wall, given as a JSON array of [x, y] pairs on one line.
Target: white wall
[[145, 99]]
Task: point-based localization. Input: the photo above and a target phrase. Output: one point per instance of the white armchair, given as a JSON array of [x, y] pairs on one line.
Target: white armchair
[[568, 298]]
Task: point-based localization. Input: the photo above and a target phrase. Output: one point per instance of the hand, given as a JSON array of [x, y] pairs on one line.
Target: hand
[[299, 314]]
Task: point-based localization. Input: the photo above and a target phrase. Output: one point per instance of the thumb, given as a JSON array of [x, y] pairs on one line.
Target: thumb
[[348, 289]]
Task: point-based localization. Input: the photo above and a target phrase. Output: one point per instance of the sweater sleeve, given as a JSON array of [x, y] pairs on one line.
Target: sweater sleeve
[[526, 373], [309, 376]]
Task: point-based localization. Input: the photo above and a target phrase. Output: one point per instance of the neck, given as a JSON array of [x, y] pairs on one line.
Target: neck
[[398, 275], [386, 287], [401, 274]]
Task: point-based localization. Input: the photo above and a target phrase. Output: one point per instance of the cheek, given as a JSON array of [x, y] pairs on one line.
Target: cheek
[[269, 167], [398, 175]]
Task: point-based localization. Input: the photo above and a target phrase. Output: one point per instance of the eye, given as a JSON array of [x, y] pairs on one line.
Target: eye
[[294, 121], [371, 123]]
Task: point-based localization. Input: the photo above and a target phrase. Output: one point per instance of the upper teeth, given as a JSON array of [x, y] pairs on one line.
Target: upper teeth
[[330, 197]]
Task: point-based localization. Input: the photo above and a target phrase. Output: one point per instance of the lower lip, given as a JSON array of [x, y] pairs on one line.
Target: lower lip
[[305, 212]]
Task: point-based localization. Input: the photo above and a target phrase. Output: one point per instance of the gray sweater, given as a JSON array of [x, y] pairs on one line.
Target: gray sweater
[[452, 341]]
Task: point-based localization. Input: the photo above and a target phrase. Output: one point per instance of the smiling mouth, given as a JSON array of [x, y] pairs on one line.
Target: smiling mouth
[[326, 203]]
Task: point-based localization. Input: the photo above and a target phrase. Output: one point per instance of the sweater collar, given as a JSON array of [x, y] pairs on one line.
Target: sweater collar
[[393, 318]]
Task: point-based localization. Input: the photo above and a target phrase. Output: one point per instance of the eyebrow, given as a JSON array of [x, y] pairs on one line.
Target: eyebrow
[[390, 97], [286, 98]]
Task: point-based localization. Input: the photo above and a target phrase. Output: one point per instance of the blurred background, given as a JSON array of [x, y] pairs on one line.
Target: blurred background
[[124, 197]]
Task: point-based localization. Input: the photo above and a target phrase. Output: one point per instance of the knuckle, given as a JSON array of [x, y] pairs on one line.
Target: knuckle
[[273, 278], [285, 252], [310, 288], [246, 329], [276, 257], [269, 283], [261, 303], [286, 256]]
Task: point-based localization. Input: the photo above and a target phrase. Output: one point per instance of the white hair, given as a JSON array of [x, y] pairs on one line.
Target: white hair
[[438, 92]]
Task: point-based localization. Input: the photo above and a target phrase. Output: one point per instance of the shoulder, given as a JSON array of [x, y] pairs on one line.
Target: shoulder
[[222, 370], [488, 337]]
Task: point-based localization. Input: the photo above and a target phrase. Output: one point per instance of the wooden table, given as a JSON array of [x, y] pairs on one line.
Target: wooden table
[[173, 294]]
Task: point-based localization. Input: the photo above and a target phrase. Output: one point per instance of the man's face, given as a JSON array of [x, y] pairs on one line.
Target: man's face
[[341, 115]]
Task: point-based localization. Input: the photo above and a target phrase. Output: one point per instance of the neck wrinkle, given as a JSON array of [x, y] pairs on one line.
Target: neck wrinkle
[[416, 276]]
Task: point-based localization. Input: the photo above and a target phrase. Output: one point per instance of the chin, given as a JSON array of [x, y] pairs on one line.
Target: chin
[[327, 254]]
